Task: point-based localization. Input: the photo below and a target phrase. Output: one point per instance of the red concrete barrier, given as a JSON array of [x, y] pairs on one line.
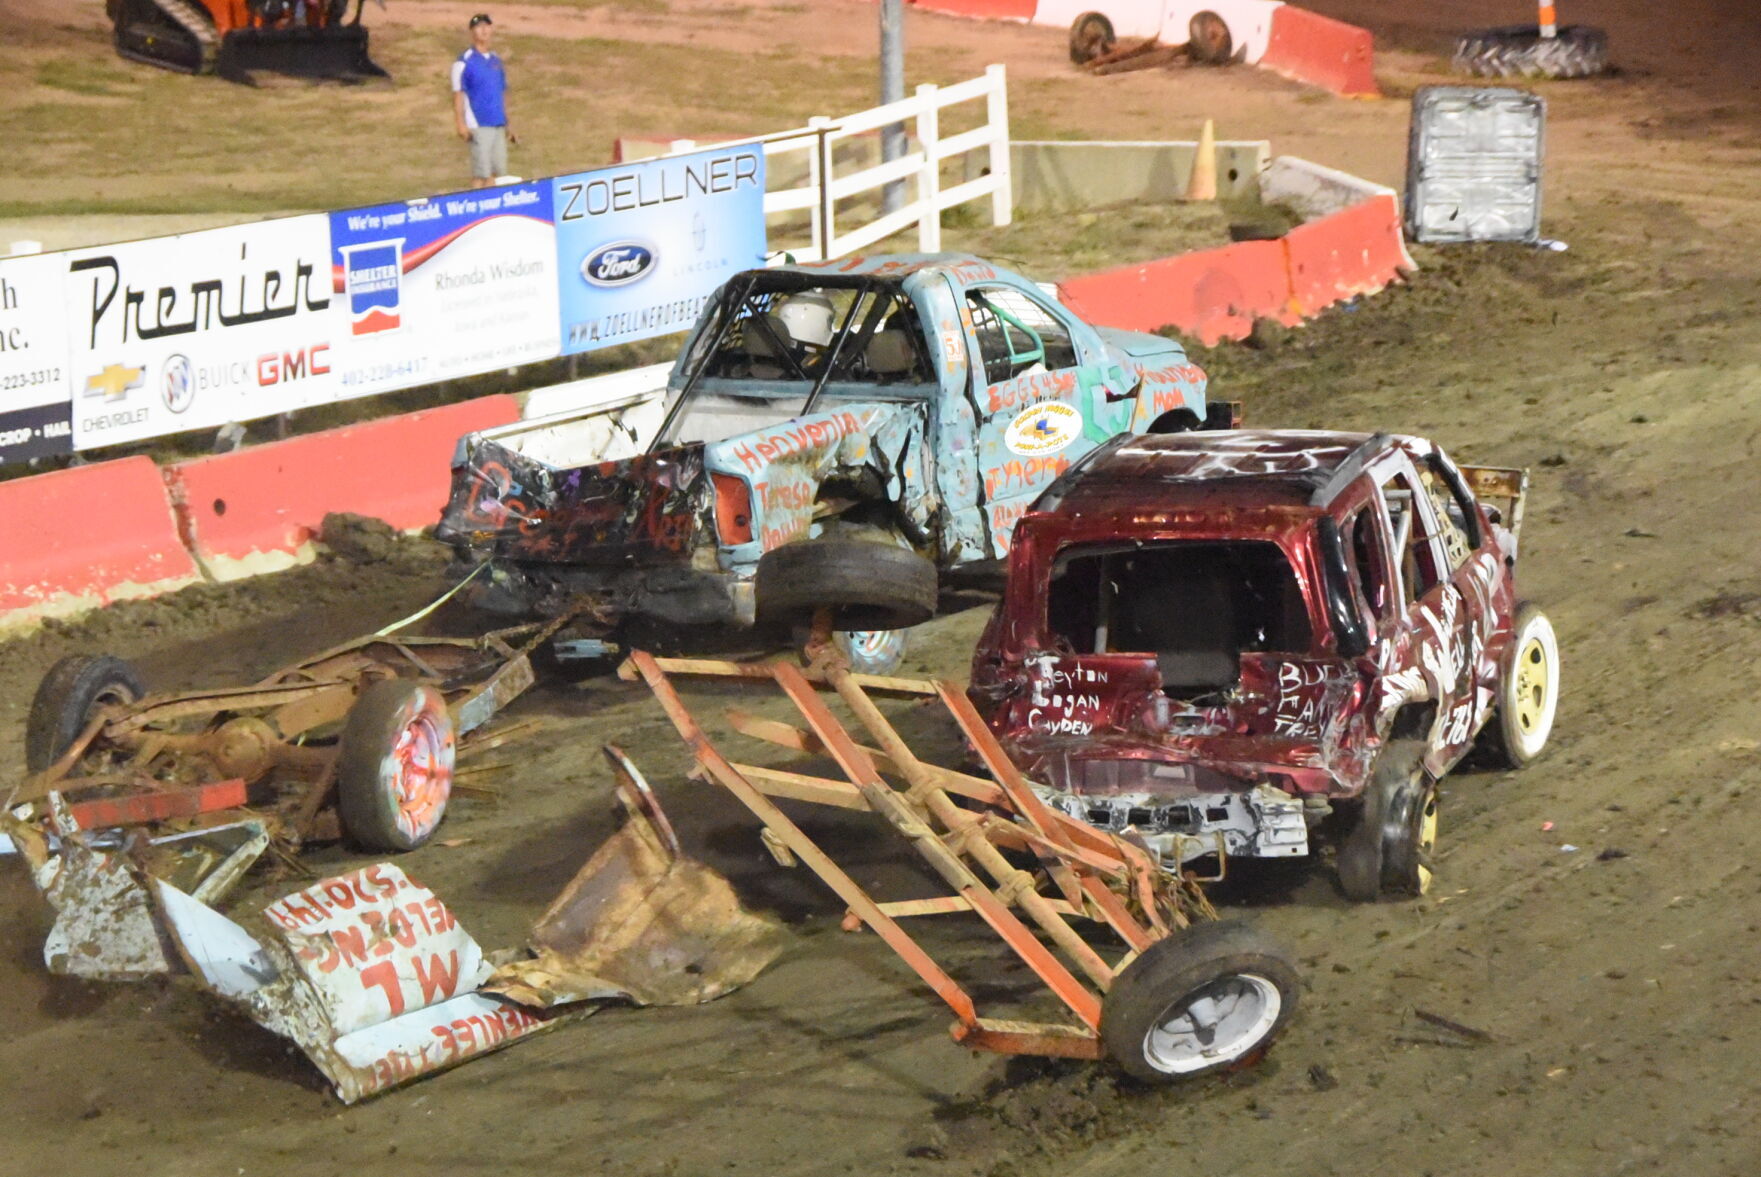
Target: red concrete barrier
[[1357, 250], [1213, 294], [258, 510], [981, 9], [1312, 48], [77, 539]]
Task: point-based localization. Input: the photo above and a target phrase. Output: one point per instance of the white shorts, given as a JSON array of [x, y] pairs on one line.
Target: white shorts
[[489, 152]]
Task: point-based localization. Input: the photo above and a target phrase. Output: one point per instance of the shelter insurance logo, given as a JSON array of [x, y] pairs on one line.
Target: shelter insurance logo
[[373, 280]]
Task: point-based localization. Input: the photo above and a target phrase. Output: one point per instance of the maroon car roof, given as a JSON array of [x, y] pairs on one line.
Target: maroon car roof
[[1263, 467]]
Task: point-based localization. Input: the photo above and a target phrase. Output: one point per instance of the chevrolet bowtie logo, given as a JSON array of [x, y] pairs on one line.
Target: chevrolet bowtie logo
[[115, 382]]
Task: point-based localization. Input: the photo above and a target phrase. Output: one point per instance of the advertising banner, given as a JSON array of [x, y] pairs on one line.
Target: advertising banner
[[450, 286], [642, 246], [34, 415], [194, 331]]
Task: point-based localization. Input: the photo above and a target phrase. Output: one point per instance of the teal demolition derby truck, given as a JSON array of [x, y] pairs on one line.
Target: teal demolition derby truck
[[833, 435]]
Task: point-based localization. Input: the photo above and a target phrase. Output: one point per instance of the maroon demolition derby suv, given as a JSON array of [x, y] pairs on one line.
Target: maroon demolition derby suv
[[1218, 640]]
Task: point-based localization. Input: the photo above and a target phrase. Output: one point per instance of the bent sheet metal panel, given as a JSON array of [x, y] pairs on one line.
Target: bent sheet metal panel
[[369, 973]]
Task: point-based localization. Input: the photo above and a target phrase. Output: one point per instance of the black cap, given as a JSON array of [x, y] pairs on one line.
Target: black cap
[[482, 18]]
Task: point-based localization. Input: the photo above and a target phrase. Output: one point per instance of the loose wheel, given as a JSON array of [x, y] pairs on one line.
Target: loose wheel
[[1409, 837], [1091, 36], [394, 765], [68, 698], [1528, 692], [1208, 40], [1206, 998]]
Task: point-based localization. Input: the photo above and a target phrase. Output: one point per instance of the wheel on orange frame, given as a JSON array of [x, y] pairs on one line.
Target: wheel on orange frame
[[1206, 998]]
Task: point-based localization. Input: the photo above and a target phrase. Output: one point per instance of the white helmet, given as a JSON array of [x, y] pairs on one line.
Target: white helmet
[[808, 316]]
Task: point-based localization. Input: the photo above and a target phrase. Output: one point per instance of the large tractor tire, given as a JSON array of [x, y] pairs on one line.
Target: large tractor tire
[[1520, 51]]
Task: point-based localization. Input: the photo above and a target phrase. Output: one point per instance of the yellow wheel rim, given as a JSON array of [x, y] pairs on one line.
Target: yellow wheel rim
[[1532, 684], [1427, 840]]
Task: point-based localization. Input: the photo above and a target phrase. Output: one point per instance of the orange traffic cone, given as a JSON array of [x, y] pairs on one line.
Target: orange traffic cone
[[1203, 183]]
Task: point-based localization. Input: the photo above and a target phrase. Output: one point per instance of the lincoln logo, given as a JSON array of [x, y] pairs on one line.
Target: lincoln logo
[[618, 264]]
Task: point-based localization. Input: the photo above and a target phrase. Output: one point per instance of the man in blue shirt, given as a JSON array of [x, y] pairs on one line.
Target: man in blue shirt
[[479, 103]]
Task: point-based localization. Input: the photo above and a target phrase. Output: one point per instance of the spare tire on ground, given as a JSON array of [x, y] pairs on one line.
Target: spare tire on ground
[[1520, 51], [867, 584], [1091, 37]]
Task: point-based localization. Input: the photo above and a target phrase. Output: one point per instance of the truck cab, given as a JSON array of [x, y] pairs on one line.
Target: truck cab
[[912, 405]]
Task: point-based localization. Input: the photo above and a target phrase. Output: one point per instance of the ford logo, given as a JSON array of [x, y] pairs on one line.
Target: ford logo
[[619, 263]]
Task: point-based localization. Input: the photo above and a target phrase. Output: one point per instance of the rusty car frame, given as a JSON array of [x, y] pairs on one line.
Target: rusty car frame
[[358, 740]]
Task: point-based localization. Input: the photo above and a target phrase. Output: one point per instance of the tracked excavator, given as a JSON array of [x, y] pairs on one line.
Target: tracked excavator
[[234, 38]]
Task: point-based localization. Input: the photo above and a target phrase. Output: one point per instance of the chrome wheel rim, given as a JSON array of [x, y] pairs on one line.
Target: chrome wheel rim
[[1216, 1024]]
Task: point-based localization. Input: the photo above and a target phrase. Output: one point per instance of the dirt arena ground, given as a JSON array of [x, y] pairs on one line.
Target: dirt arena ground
[[1619, 989]]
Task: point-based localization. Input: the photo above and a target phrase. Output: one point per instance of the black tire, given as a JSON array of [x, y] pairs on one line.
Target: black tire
[[67, 698], [867, 584], [394, 766], [1145, 1024], [1528, 693], [1175, 421], [1208, 41], [1091, 37], [1380, 854], [1520, 51], [1409, 837]]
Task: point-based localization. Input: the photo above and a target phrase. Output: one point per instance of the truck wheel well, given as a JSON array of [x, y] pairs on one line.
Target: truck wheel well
[[1175, 421], [869, 510], [1413, 722]]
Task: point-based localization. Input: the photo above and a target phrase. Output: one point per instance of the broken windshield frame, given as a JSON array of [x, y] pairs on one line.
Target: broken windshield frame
[[742, 400]]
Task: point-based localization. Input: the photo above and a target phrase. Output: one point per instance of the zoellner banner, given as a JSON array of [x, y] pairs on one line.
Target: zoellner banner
[[119, 343], [641, 247]]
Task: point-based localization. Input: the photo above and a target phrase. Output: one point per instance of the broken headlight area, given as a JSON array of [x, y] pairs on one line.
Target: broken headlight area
[[1181, 811]]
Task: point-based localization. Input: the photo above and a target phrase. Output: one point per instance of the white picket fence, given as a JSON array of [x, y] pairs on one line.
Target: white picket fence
[[813, 150]]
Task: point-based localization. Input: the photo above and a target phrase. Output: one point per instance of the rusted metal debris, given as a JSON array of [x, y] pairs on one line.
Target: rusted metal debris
[[642, 921], [1135, 55], [1082, 873], [369, 972], [272, 750]]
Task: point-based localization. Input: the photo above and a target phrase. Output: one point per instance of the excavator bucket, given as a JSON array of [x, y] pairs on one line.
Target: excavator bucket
[[338, 53], [642, 921], [185, 35]]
